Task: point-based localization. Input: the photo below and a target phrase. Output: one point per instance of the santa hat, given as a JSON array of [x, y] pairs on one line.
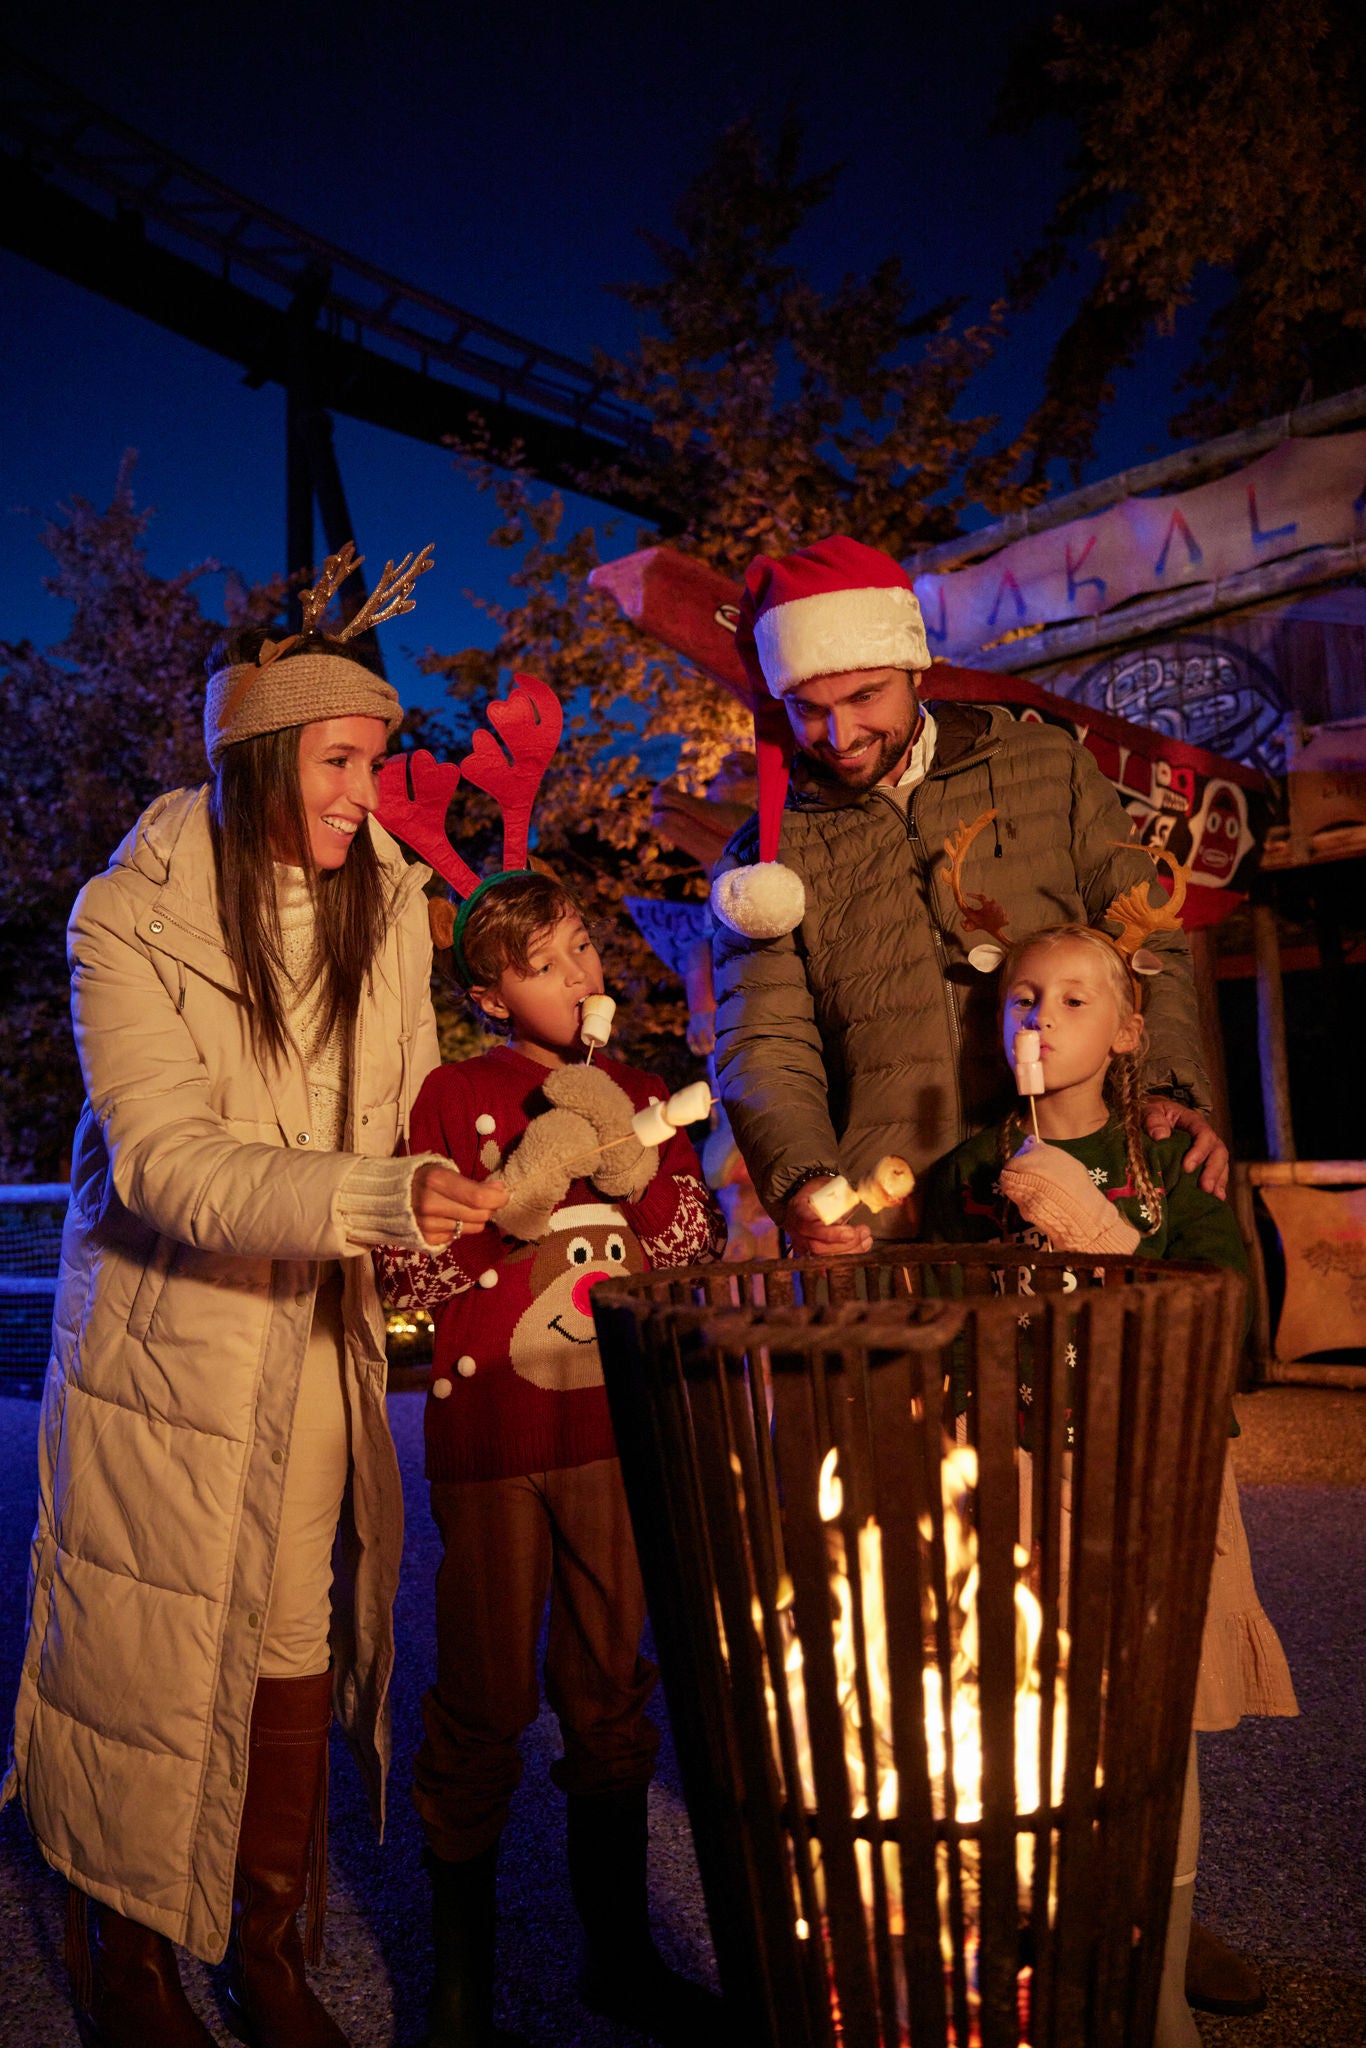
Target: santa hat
[[822, 611]]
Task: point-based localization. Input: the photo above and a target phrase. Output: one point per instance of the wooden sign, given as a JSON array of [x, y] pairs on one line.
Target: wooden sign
[[1303, 494]]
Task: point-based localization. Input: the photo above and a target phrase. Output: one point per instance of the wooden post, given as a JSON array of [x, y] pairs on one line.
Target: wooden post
[[1204, 952], [298, 507], [1280, 1133], [1241, 1201]]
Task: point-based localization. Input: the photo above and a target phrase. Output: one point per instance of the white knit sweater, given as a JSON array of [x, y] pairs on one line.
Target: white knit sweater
[[376, 1196]]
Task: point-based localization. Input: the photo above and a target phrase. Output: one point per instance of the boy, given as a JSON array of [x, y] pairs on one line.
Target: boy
[[526, 1485]]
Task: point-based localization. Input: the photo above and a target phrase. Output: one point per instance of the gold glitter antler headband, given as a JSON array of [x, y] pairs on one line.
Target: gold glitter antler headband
[[391, 596], [1138, 919], [979, 913]]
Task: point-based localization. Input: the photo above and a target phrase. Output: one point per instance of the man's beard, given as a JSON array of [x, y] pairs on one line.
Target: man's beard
[[869, 768]]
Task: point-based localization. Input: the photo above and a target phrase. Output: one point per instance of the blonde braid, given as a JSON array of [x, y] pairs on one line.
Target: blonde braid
[[1125, 1086]]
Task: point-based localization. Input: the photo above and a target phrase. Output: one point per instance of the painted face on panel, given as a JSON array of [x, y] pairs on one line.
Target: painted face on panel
[[544, 1005], [1064, 992], [554, 1344], [1220, 834], [857, 728], [339, 759]]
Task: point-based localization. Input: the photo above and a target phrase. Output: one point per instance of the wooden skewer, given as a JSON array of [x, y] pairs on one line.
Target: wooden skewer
[[1034, 1119]]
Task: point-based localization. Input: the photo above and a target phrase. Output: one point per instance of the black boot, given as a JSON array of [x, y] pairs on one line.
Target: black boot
[[464, 1915], [624, 1977], [1218, 1979]]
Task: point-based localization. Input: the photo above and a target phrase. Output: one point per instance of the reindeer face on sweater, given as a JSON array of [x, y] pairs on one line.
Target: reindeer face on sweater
[[554, 1344]]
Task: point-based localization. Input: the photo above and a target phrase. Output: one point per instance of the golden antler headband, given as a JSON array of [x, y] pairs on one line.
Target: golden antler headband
[[979, 913], [391, 596], [1137, 918]]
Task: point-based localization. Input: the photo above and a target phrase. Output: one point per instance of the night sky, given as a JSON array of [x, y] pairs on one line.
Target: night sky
[[506, 158]]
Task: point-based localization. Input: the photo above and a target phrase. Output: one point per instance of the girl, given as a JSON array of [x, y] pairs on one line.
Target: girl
[[250, 992], [1094, 1181]]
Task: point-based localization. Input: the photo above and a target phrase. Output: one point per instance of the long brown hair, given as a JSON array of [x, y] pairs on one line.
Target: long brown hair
[[1124, 1090], [256, 817]]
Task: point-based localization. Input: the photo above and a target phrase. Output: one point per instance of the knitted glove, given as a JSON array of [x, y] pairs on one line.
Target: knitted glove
[[547, 1156], [1055, 1193], [629, 1167]]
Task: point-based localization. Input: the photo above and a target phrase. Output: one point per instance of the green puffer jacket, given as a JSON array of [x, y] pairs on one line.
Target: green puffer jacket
[[866, 1031]]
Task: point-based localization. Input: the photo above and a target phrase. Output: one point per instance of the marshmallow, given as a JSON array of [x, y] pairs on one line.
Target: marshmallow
[[1028, 1065], [657, 1122], [595, 1019], [834, 1200], [651, 1125], [890, 1181], [689, 1105]]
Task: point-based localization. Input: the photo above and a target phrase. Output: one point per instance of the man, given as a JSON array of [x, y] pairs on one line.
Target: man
[[850, 1021]]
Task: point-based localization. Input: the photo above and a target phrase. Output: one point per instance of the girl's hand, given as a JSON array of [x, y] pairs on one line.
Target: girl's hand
[[447, 1204], [1054, 1192]]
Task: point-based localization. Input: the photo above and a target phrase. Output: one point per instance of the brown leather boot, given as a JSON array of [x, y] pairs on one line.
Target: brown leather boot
[[127, 1987], [284, 1829]]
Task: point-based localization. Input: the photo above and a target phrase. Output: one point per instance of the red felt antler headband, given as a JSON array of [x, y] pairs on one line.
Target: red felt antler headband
[[415, 791]]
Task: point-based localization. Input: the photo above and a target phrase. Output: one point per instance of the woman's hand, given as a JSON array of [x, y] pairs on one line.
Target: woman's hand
[[444, 1199]]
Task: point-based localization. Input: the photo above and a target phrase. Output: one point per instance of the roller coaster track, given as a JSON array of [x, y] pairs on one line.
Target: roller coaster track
[[93, 200]]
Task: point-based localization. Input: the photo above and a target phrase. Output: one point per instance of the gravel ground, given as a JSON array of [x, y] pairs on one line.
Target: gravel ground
[[1285, 1801]]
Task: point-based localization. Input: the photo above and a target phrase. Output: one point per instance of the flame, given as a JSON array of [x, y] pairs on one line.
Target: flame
[[961, 1787]]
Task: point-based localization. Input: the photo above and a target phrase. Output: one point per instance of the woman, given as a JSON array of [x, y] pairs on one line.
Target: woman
[[253, 1017]]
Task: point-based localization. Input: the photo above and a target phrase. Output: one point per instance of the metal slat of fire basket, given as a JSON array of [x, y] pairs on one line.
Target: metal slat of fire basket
[[934, 1779]]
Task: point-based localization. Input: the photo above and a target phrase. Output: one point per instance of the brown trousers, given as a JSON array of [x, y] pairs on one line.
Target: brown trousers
[[507, 1544]]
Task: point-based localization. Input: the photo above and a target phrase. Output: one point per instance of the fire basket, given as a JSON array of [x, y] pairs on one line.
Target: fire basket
[[926, 1558]]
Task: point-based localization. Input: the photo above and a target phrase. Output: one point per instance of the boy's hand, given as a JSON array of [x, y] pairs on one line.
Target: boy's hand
[[443, 1198], [554, 1147], [1055, 1193], [625, 1170]]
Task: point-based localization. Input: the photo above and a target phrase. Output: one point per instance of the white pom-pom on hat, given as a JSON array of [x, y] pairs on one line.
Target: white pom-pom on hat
[[765, 901]]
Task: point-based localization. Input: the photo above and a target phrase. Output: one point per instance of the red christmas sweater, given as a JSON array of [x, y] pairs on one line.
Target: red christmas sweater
[[514, 1329]]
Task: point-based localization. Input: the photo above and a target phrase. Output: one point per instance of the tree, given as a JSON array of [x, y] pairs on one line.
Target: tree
[[90, 731], [1222, 142], [782, 412]]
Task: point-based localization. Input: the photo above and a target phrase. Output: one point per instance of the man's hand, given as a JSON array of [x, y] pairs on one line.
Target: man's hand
[[1162, 1116], [442, 1198], [812, 1239]]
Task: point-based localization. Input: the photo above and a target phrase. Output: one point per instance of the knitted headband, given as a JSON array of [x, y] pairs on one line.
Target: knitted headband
[[244, 701], [272, 693]]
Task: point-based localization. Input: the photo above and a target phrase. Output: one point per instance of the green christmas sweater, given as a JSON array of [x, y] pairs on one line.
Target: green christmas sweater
[[964, 1205]]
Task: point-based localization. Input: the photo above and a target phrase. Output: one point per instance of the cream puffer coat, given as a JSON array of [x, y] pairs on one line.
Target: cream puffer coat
[[190, 1259]]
